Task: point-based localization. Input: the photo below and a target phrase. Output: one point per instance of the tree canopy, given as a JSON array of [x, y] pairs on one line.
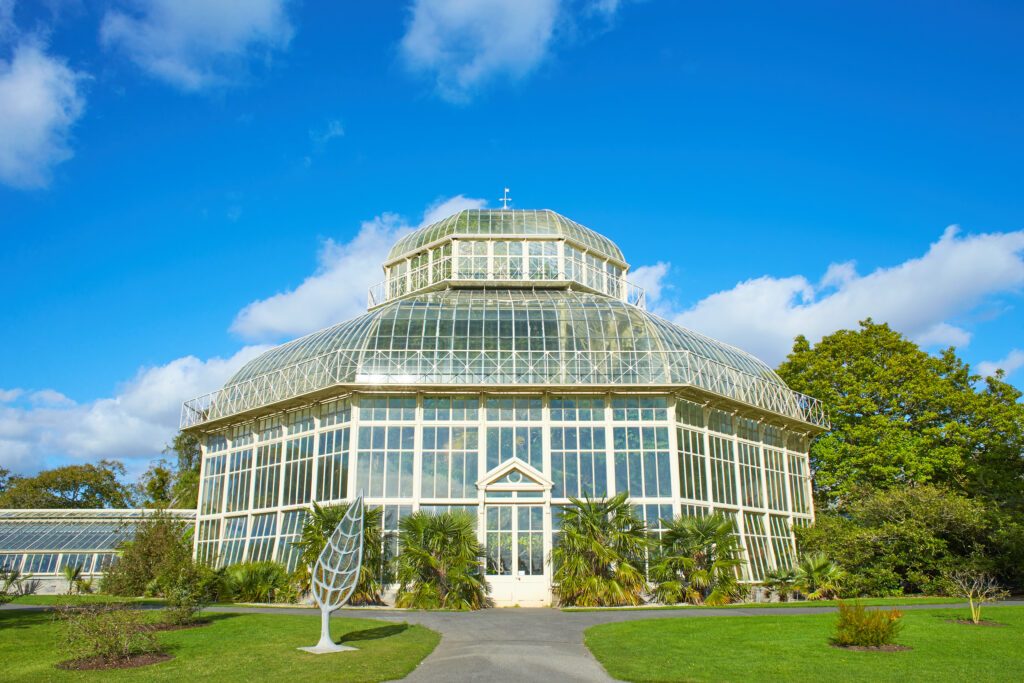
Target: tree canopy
[[901, 416], [71, 486]]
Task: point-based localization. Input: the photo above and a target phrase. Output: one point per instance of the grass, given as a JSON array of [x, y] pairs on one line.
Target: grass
[[870, 602], [233, 647], [796, 648], [80, 599]]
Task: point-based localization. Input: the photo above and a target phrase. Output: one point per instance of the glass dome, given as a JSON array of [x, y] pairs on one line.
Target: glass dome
[[485, 315], [506, 223]]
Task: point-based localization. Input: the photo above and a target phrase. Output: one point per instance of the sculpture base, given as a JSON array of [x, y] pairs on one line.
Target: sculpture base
[[321, 649]]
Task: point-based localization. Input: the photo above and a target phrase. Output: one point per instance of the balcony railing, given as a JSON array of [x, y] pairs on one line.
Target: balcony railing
[[539, 368], [462, 269]]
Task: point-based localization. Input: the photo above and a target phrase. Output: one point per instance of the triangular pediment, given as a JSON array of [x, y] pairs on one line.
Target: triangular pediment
[[514, 475]]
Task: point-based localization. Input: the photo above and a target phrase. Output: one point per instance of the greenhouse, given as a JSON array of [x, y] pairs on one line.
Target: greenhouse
[[41, 543], [506, 363]]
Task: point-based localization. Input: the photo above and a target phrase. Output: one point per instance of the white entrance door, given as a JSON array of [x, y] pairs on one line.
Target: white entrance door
[[516, 568]]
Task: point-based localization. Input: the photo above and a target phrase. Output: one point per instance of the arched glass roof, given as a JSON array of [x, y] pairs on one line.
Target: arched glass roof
[[505, 320], [496, 222]]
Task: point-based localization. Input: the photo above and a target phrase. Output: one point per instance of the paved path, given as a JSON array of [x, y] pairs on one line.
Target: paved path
[[516, 644]]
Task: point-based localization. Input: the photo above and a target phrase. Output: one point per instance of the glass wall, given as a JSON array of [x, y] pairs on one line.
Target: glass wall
[[435, 452]]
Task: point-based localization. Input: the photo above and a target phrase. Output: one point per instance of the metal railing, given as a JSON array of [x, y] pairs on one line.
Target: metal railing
[[457, 269], [539, 368]]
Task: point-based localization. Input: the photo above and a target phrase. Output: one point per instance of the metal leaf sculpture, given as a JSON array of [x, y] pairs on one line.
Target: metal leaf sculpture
[[336, 573]]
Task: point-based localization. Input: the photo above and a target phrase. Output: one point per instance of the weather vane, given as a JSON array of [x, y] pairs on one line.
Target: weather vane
[[505, 200]]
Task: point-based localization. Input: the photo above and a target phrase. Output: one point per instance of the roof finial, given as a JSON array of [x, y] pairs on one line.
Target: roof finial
[[505, 200]]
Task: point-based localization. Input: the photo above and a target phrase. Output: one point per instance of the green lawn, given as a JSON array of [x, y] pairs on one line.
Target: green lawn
[[80, 599], [795, 648], [871, 602], [233, 647]]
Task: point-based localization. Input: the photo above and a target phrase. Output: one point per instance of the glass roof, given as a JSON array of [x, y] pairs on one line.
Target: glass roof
[[494, 222], [505, 320], [70, 530]]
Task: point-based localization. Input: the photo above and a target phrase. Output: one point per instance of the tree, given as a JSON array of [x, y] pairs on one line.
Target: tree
[[699, 560], [157, 485], [599, 556], [902, 417], [978, 587], [818, 577], [71, 486], [188, 455], [438, 563], [375, 571], [891, 542], [5, 479]]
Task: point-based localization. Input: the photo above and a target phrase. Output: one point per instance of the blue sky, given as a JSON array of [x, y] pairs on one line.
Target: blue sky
[[183, 182]]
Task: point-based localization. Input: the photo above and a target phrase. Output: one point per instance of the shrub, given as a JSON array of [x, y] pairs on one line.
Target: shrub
[[599, 557], [438, 564], [698, 562], [160, 548], [861, 627], [189, 591], [111, 633], [259, 582]]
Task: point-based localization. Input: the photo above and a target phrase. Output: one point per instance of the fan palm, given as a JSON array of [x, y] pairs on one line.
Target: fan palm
[[73, 575], [375, 572], [438, 563], [781, 581], [818, 577], [599, 557], [263, 581], [699, 560]]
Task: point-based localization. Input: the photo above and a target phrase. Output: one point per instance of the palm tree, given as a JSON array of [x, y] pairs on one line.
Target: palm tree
[[699, 563], [818, 577], [73, 574], [599, 557], [375, 573], [781, 581], [438, 563]]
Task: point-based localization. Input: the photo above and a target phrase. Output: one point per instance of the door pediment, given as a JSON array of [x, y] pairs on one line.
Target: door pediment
[[514, 475]]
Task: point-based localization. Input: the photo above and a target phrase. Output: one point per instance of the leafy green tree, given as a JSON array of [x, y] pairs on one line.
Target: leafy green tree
[[375, 571], [5, 479], [818, 577], [188, 456], [438, 563], [156, 487], [699, 560], [599, 555], [71, 486], [903, 417]]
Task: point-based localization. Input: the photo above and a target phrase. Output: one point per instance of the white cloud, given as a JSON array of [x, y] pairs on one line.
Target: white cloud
[[135, 424], [337, 290], [465, 43], [1014, 361], [40, 101], [49, 397], [196, 44], [651, 278], [919, 297], [8, 395]]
